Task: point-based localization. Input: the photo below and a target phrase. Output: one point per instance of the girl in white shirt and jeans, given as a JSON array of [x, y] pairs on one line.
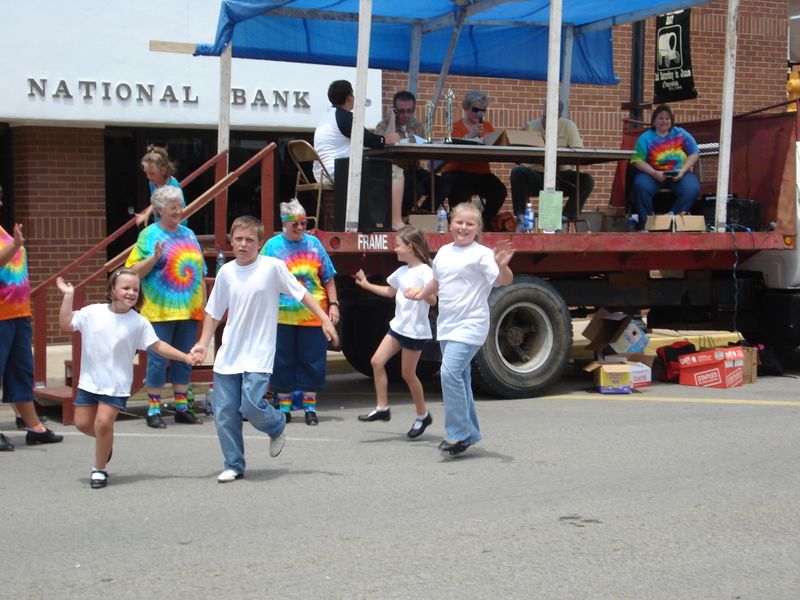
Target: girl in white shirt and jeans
[[464, 273], [408, 330]]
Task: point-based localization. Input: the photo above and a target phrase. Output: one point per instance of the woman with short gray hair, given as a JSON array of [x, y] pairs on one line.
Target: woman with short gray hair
[[465, 179]]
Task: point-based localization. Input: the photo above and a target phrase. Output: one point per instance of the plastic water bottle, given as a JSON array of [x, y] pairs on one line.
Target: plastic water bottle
[[190, 398], [208, 403], [441, 220], [529, 219], [220, 259]]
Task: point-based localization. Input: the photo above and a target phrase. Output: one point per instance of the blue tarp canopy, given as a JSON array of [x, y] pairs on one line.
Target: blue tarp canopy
[[499, 38]]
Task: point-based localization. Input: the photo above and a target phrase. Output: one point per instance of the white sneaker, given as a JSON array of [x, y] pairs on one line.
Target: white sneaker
[[276, 444], [229, 475]]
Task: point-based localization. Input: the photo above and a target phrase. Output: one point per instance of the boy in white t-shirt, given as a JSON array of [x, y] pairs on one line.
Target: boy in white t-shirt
[[249, 289]]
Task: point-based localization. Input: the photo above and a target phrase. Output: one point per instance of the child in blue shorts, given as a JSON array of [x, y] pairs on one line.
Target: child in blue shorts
[[111, 332]]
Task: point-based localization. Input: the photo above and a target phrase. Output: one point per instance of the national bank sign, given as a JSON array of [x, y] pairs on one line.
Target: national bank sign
[[90, 91]]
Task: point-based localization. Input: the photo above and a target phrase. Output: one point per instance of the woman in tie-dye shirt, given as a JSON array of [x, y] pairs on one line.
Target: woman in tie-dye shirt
[[664, 156], [16, 357], [170, 263], [301, 348]]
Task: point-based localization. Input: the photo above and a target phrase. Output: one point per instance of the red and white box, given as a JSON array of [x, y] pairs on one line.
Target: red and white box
[[718, 368]]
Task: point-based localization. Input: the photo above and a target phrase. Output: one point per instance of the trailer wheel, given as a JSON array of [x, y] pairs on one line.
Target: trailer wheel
[[529, 342]]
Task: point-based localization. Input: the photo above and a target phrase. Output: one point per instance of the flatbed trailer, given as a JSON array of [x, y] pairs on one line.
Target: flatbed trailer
[[743, 280]]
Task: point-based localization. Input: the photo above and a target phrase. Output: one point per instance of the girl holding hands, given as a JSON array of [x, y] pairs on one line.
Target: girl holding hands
[[464, 273], [112, 333], [408, 330]]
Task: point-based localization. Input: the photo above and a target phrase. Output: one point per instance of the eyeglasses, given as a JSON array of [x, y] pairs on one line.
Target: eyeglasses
[[475, 109], [405, 111], [298, 223]]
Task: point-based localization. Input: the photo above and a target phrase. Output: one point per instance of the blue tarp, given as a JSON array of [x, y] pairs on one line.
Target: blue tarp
[[499, 38]]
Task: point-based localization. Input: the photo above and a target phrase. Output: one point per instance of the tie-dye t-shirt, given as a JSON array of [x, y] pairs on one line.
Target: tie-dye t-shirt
[[173, 289], [311, 265], [665, 153], [15, 289]]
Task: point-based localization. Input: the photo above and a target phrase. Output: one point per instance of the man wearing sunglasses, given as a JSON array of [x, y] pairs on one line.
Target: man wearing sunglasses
[[409, 185]]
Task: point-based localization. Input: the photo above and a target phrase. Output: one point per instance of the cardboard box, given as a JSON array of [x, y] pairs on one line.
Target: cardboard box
[[690, 223], [717, 368], [632, 339], [750, 370], [426, 223], [614, 330], [613, 218], [611, 377], [511, 137], [641, 366], [660, 223]]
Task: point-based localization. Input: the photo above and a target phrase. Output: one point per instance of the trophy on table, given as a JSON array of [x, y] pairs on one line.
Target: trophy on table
[[429, 121], [448, 114]]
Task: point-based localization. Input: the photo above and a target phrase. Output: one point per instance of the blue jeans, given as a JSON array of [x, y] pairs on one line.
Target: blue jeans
[[460, 419], [16, 359], [242, 395], [181, 335], [301, 356], [687, 190]]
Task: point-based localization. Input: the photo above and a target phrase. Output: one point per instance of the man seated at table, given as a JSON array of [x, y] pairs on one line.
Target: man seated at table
[[410, 181], [465, 178], [528, 180], [332, 136]]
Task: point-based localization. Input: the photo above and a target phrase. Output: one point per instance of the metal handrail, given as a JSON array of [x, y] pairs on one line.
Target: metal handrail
[[216, 191]]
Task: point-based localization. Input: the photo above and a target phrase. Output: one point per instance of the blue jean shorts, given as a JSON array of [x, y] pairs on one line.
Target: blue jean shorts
[[85, 398], [407, 343], [301, 355], [16, 359], [180, 334]]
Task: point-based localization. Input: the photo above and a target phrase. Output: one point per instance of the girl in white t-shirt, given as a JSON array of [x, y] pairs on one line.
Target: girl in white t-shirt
[[408, 330], [111, 334], [463, 275]]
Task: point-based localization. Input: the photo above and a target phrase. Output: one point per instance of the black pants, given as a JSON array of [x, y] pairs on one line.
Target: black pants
[[526, 182], [463, 185]]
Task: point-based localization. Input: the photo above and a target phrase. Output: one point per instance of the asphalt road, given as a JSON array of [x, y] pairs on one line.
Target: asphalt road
[[674, 492]]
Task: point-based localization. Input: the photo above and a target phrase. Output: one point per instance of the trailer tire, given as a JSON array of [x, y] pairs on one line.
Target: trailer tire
[[529, 343]]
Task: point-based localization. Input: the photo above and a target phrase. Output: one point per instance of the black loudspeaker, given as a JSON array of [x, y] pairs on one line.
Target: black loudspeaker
[[375, 206]]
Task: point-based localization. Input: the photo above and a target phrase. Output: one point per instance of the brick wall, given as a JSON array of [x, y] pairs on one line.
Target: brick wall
[[59, 185], [597, 110]]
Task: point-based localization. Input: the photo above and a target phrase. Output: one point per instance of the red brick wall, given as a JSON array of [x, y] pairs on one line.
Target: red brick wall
[[597, 110], [59, 185]]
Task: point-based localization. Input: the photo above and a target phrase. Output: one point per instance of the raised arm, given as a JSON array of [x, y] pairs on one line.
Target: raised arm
[[143, 267], [503, 252], [8, 252], [65, 313]]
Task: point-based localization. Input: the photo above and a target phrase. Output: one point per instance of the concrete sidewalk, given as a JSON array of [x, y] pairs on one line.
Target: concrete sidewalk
[[337, 364]]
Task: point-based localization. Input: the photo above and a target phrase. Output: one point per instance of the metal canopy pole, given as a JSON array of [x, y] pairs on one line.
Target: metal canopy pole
[[459, 22], [357, 132], [413, 61], [223, 145], [566, 67], [729, 74], [553, 57]]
